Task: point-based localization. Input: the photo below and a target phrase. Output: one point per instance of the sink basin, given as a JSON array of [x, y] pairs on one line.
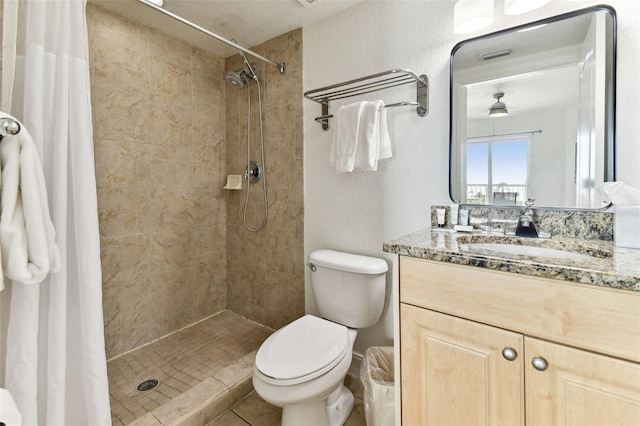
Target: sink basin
[[529, 251], [509, 246]]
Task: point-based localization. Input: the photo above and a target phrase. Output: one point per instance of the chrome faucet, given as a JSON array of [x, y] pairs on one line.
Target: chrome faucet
[[526, 226]]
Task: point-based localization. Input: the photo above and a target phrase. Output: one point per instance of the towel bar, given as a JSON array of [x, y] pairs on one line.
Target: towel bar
[[368, 84]]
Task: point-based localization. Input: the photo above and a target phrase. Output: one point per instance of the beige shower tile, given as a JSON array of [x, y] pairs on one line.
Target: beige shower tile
[[171, 250], [210, 283], [253, 246], [229, 418], [208, 242], [233, 241], [169, 49], [171, 82], [209, 89], [235, 143], [210, 120], [146, 420], [120, 115], [123, 211], [111, 26], [209, 206], [171, 210], [281, 168], [172, 167], [122, 164], [256, 411], [119, 68], [207, 62], [298, 133], [209, 164], [281, 253], [199, 405], [282, 212], [282, 299], [279, 127], [124, 259], [252, 285], [170, 124], [235, 203], [236, 373]]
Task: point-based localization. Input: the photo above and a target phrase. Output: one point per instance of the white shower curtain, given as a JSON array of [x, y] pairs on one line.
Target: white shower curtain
[[56, 365]]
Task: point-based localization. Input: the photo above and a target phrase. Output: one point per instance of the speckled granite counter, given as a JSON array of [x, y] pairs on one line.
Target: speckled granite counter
[[609, 266]]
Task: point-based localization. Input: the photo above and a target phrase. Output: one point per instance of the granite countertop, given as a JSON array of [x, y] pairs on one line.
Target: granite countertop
[[607, 266]]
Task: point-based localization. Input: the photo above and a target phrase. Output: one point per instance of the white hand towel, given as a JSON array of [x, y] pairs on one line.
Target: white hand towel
[[27, 235], [373, 139], [345, 137]]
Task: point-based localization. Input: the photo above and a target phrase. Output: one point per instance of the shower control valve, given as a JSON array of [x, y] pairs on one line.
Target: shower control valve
[[253, 172]]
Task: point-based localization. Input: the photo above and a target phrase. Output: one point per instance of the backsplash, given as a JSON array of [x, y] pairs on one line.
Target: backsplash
[[589, 225]]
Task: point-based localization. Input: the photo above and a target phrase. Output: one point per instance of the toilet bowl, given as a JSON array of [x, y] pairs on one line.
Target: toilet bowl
[[302, 367]]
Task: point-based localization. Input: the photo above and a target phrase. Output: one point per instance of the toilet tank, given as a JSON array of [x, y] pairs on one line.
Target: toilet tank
[[348, 288]]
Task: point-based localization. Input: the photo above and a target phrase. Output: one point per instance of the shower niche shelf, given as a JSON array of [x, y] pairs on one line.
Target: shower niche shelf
[[369, 84]]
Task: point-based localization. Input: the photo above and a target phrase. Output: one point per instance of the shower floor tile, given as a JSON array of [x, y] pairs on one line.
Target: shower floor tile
[[210, 349]]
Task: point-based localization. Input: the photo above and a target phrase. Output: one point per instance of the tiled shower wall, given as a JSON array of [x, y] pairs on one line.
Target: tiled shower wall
[[159, 133], [266, 268]]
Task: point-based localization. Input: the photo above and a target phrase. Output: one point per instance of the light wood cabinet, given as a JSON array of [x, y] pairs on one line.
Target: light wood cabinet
[[460, 328]]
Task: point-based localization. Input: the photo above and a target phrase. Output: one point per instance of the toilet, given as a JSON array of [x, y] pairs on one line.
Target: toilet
[[302, 366]]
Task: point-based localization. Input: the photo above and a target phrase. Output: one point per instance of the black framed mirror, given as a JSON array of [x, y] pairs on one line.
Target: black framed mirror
[[532, 113]]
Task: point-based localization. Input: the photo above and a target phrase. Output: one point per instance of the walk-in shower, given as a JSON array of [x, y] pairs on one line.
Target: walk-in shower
[[256, 170]]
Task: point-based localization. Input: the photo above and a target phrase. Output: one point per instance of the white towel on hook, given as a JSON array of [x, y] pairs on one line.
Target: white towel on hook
[[345, 137], [373, 138], [27, 235]]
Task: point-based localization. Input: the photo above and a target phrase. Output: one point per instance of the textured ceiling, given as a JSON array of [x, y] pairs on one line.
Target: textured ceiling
[[250, 22]]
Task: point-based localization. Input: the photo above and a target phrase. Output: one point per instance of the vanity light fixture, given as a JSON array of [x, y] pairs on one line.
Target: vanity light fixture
[[472, 15], [498, 109], [518, 7]]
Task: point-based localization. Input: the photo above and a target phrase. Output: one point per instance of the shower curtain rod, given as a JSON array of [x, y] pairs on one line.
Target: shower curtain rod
[[279, 65], [530, 132]]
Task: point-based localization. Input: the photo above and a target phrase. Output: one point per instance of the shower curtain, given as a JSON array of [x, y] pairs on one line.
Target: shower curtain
[[55, 362]]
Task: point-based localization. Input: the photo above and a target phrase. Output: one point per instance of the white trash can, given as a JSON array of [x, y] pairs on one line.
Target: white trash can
[[376, 373]]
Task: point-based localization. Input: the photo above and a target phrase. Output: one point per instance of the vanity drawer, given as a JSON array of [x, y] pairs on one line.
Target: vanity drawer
[[599, 319]]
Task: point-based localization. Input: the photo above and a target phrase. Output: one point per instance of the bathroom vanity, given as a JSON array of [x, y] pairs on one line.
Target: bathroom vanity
[[503, 338]]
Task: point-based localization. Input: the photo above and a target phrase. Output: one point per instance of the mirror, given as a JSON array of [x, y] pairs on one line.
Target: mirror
[[532, 113]]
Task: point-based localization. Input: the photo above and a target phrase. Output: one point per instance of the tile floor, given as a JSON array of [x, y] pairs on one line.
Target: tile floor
[[204, 370], [254, 411], [215, 355]]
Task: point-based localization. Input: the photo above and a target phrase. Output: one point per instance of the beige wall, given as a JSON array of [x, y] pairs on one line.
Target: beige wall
[[159, 129], [266, 269], [160, 122]]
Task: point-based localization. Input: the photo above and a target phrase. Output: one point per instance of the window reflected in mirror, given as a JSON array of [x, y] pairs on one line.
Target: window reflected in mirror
[[532, 113]]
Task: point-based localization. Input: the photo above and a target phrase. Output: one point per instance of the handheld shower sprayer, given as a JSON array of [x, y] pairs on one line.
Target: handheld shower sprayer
[[249, 67]]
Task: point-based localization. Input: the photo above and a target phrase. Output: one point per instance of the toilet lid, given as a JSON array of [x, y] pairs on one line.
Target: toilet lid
[[306, 346]]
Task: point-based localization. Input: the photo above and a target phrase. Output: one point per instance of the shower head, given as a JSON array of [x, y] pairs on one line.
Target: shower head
[[239, 78], [235, 78]]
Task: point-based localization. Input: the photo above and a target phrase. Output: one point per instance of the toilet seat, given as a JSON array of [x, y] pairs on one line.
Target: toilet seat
[[301, 351]]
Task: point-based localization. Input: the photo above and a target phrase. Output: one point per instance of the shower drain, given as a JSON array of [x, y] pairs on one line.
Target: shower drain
[[147, 385]]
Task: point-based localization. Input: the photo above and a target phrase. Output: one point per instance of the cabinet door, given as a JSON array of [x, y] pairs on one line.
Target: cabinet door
[[454, 373], [579, 387]]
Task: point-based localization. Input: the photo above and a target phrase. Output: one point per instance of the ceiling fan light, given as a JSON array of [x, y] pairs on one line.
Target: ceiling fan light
[[498, 109], [518, 7], [472, 15]]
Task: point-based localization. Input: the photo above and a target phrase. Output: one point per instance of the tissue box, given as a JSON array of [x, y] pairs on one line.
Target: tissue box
[[627, 226]]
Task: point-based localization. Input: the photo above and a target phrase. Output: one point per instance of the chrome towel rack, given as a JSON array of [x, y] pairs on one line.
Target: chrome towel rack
[[372, 83], [8, 126]]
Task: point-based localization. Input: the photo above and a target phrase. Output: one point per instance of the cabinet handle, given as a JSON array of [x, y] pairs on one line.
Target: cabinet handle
[[539, 363], [509, 354]]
